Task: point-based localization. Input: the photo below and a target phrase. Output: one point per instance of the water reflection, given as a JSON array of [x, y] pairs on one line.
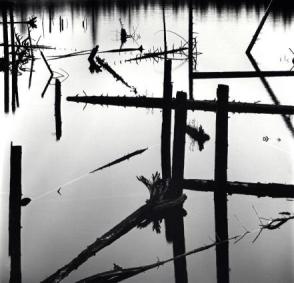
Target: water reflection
[[168, 191]]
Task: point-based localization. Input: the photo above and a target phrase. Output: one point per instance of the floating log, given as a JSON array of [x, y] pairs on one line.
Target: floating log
[[113, 234], [58, 122], [273, 190], [126, 157], [241, 74], [220, 176], [15, 214], [205, 105]]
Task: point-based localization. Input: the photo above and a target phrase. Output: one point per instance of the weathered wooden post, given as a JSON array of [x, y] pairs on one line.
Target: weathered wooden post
[[166, 122], [6, 58], [15, 214], [179, 144], [175, 231], [220, 194], [58, 122]]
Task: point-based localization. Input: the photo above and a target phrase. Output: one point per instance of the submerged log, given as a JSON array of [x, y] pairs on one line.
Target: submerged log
[[205, 105], [273, 190], [113, 234]]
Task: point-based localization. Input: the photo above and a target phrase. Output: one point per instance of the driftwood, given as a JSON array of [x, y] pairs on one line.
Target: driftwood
[[273, 190], [135, 219], [205, 105], [119, 274], [126, 157]]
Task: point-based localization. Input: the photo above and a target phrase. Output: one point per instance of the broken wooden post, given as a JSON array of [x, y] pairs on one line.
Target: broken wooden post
[[6, 59], [220, 174], [179, 144], [58, 122], [166, 121], [15, 214]]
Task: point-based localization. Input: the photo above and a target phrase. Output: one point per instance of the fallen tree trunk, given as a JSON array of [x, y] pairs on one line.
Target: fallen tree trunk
[[273, 190], [113, 234]]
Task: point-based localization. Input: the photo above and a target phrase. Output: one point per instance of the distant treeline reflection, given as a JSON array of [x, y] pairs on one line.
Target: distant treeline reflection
[[280, 10]]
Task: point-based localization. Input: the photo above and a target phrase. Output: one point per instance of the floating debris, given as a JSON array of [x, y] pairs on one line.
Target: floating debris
[[128, 156], [197, 134]]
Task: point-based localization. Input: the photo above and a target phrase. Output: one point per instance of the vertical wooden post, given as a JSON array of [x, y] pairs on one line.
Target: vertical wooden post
[[166, 122], [15, 214], [58, 122], [179, 144], [175, 224], [190, 50], [6, 59], [220, 195], [50, 19]]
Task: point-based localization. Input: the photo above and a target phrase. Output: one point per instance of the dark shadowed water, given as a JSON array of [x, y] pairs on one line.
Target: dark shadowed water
[[56, 227]]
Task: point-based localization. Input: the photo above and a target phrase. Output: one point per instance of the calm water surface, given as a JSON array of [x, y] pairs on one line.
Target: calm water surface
[[56, 228]]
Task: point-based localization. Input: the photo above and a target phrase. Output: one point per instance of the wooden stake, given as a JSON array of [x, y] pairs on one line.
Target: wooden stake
[[15, 214], [220, 195]]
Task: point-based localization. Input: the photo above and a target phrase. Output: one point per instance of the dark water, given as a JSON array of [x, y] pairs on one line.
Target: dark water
[[56, 228]]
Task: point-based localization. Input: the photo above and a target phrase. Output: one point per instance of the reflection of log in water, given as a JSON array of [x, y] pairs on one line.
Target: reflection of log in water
[[220, 174], [112, 235], [58, 122], [205, 105], [51, 74], [15, 214], [253, 189], [14, 65], [6, 59]]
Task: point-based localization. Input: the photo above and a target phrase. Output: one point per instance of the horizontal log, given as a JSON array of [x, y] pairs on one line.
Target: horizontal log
[[273, 190], [241, 74], [204, 105]]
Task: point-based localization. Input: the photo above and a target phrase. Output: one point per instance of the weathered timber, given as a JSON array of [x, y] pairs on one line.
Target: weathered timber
[[205, 105], [58, 122], [273, 190], [119, 274], [15, 214], [157, 54], [166, 121], [220, 175], [121, 159], [241, 74], [179, 144], [6, 59], [113, 234]]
